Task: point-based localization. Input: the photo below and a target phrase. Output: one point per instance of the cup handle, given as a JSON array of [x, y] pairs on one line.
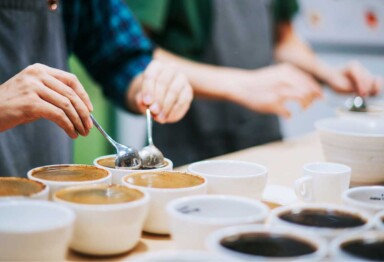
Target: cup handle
[[303, 188]]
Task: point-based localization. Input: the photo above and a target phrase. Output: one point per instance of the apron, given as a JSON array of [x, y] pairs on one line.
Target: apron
[[241, 37], [30, 32]]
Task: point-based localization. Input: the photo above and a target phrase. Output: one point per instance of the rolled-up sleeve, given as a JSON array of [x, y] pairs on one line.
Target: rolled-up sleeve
[[109, 42]]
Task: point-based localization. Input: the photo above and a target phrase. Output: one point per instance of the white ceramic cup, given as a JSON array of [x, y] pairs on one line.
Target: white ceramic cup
[[184, 255], [105, 229], [379, 221], [20, 188], [313, 224], [157, 221], [118, 174], [368, 198], [314, 242], [34, 230], [231, 177], [55, 185], [348, 247], [323, 182], [193, 218]]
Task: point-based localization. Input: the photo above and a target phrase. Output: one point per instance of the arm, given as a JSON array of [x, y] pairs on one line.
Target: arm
[[353, 78]]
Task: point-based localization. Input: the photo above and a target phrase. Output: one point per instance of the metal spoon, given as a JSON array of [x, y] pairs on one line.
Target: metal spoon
[[126, 157], [151, 156], [356, 104]]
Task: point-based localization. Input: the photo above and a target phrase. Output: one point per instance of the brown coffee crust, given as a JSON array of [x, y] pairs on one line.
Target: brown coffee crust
[[17, 186], [70, 173]]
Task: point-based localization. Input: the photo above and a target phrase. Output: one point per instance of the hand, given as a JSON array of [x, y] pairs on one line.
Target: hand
[[354, 78], [166, 92], [266, 90], [40, 91]]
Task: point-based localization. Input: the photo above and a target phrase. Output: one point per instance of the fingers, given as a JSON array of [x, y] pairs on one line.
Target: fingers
[[182, 105], [172, 96], [377, 84], [149, 83]]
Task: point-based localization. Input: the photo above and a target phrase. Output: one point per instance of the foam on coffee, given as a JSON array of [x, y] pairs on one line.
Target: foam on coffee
[[99, 195], [164, 179], [110, 163], [69, 173], [17, 186], [323, 218], [268, 245]]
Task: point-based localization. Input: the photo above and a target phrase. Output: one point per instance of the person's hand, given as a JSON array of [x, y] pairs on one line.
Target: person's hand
[[266, 90], [40, 91], [166, 92], [353, 78]]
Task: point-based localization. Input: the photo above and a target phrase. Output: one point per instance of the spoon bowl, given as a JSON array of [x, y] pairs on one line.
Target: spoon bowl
[[356, 104]]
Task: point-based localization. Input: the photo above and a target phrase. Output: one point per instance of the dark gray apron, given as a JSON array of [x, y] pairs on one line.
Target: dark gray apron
[[241, 37], [31, 33]]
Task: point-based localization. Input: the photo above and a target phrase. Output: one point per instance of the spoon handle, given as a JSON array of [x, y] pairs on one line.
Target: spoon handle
[[149, 126], [113, 142]]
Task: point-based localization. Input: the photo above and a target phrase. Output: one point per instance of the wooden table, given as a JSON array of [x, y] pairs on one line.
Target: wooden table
[[283, 160]]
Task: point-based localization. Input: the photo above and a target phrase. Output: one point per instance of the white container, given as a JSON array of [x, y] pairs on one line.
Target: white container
[[231, 177], [106, 229], [326, 232], [194, 218], [213, 243], [379, 221], [118, 174], [357, 143], [23, 188], [157, 221], [57, 185], [34, 230], [180, 256], [367, 198]]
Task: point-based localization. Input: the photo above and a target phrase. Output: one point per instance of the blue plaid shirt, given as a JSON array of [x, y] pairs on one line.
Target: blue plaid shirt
[[109, 41]]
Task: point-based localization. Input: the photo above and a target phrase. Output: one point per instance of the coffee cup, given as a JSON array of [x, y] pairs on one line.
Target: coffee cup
[[17, 187], [261, 243], [232, 177], [164, 186], [59, 176], [367, 198], [358, 247], [184, 255], [109, 218], [108, 162], [34, 230], [193, 218], [323, 182], [379, 221], [325, 220]]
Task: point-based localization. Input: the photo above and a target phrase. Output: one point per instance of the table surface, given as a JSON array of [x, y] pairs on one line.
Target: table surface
[[284, 161]]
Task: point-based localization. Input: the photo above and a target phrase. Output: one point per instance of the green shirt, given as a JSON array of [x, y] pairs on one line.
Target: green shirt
[[183, 26]]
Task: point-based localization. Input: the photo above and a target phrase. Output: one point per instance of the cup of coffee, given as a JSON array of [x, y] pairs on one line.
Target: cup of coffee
[[325, 220], [164, 186], [359, 247], [59, 176], [193, 218], [323, 182], [232, 177], [34, 230], [367, 198], [379, 221], [108, 162], [17, 187], [256, 242], [109, 218]]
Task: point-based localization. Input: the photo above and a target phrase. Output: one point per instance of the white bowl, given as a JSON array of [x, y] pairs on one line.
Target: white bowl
[[22, 188], [232, 177], [180, 256], [193, 218], [118, 174], [367, 198], [323, 231], [34, 230], [374, 240], [214, 240], [379, 221], [357, 143]]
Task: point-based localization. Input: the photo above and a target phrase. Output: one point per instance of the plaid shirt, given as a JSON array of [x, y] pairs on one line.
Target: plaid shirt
[[109, 41]]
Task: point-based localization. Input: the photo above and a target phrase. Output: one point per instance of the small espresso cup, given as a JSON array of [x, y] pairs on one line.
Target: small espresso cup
[[164, 186], [59, 176], [232, 177], [17, 187], [109, 218], [108, 162], [323, 182], [368, 198], [379, 221]]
